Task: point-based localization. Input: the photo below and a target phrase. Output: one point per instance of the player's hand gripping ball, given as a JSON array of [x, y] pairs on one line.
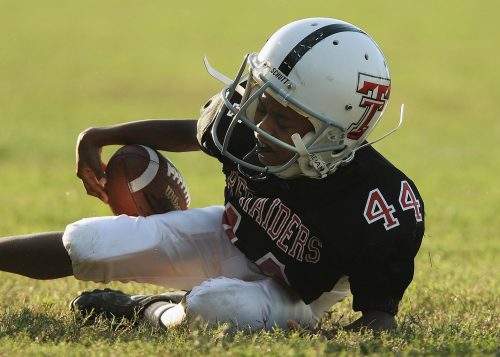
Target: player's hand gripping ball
[[142, 182]]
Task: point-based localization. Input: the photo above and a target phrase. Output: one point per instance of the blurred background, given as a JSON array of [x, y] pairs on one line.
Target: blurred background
[[69, 65]]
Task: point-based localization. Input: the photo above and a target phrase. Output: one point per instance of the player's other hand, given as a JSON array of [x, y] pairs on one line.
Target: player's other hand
[[89, 166]]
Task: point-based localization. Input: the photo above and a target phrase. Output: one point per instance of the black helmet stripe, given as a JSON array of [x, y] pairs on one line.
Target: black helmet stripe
[[311, 40]]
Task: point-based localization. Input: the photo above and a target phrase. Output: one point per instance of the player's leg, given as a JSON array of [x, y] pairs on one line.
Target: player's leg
[[185, 250], [179, 249], [256, 305], [253, 305], [175, 250], [38, 256], [260, 304]]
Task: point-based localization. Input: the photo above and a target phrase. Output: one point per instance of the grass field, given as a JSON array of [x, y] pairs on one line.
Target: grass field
[[68, 65]]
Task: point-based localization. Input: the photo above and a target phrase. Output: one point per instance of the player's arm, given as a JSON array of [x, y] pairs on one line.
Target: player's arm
[[160, 134]]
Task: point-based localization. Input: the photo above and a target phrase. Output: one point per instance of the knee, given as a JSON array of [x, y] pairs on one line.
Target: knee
[[100, 238], [241, 304], [80, 239]]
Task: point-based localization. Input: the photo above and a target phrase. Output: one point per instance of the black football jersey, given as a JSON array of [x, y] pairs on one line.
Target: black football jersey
[[365, 221]]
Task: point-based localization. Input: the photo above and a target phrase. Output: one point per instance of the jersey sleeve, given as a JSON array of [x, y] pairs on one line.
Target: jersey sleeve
[[394, 227]]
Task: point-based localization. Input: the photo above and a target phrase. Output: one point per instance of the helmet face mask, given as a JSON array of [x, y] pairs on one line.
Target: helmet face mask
[[326, 70]]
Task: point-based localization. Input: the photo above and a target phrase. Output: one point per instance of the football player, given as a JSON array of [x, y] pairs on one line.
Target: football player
[[312, 212]]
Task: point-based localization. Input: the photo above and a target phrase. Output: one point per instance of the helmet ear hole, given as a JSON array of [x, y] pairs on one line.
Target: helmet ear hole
[[334, 135]]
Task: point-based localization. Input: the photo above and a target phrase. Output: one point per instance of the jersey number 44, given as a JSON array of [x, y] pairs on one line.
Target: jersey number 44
[[377, 208]]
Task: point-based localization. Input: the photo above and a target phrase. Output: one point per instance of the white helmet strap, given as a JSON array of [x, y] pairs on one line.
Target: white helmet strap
[[311, 164]]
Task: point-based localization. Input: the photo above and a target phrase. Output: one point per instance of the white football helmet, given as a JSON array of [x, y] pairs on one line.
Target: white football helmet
[[327, 70]]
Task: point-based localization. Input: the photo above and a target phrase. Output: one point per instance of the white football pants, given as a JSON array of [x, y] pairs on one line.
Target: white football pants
[[189, 250]]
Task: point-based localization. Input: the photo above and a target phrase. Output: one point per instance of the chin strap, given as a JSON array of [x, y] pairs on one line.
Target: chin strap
[[312, 165], [306, 160]]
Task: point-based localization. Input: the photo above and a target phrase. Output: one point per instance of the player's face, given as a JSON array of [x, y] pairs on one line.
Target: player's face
[[280, 122]]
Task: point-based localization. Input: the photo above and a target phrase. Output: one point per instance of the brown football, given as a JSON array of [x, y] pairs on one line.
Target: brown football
[[142, 182]]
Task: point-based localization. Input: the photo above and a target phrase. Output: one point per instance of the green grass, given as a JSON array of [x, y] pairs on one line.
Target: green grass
[[68, 65]]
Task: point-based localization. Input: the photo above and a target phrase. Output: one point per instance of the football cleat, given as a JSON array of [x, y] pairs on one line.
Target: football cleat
[[116, 304]]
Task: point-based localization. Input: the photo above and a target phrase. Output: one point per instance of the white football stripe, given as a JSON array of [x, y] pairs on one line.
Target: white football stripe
[[149, 174]]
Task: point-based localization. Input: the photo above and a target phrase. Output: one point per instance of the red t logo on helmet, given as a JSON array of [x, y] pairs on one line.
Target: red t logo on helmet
[[375, 92]]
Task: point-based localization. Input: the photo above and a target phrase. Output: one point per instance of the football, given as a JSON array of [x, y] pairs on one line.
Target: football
[[142, 182]]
